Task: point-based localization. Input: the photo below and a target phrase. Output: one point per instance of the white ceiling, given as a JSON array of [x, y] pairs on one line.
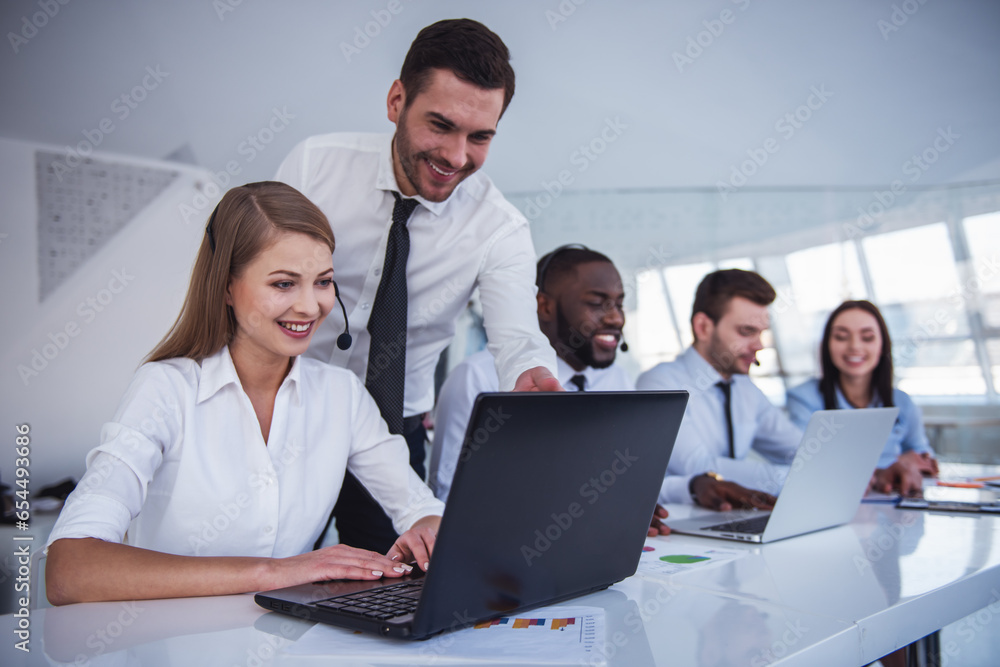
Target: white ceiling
[[891, 92]]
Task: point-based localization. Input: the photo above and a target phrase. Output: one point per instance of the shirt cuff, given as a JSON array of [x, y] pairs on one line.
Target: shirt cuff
[[91, 515], [675, 489], [508, 377], [431, 506]]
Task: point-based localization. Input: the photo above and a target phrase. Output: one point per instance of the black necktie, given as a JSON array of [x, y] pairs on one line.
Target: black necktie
[[579, 380], [727, 391], [386, 375]]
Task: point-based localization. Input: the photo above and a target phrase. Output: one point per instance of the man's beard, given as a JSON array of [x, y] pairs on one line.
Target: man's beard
[[579, 345], [722, 359], [409, 162]]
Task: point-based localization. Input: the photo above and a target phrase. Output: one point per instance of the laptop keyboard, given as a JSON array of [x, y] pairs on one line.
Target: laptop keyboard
[[753, 526], [381, 603]]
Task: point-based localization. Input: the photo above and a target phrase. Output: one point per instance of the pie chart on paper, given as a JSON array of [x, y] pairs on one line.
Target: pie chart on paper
[[681, 559]]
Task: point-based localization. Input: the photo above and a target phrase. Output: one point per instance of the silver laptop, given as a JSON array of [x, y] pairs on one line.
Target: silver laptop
[[831, 470]]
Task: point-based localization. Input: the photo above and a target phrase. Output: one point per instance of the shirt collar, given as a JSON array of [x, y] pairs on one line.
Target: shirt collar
[[564, 372], [699, 370], [218, 371], [386, 179]]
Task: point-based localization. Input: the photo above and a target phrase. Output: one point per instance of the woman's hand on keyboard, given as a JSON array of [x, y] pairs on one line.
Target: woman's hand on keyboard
[[416, 544]]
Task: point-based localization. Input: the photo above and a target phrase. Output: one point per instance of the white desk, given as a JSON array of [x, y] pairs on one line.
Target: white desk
[[839, 597], [895, 575]]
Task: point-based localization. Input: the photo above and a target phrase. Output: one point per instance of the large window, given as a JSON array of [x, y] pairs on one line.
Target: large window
[[937, 284]]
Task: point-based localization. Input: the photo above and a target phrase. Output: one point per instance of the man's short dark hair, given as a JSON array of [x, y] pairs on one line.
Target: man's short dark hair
[[468, 49], [718, 288], [562, 261]]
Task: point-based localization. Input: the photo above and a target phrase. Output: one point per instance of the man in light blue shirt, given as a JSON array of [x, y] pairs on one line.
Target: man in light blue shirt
[[727, 415]]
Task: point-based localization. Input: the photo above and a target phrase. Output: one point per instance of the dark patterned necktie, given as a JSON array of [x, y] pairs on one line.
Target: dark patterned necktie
[[727, 391], [579, 380], [386, 375]]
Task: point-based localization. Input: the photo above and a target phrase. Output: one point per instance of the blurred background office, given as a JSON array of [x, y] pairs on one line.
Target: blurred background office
[[843, 150]]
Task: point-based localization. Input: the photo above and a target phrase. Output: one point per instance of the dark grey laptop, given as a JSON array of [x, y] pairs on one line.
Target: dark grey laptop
[[551, 499], [827, 478]]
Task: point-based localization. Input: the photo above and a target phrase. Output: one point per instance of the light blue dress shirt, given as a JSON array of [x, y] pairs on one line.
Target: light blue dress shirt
[[703, 440], [907, 435]]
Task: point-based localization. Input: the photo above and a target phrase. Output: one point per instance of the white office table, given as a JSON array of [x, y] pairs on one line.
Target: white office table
[[896, 575], [844, 596]]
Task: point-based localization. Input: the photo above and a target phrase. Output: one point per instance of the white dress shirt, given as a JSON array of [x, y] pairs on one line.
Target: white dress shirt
[[703, 440], [475, 237], [475, 375], [185, 470]]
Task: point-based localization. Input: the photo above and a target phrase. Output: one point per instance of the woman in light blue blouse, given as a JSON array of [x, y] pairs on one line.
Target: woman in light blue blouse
[[856, 363]]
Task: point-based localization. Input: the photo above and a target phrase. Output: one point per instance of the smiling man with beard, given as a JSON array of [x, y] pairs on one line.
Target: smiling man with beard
[[580, 310], [418, 228]]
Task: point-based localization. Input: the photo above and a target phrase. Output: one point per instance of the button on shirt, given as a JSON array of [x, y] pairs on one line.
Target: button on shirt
[[907, 434], [703, 440], [475, 375], [184, 469], [475, 237]]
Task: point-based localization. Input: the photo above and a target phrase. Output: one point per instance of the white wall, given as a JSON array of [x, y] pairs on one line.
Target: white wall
[[65, 362], [891, 90]]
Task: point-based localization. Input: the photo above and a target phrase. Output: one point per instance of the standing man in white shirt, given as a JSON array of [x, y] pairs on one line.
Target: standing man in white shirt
[[418, 227], [727, 415]]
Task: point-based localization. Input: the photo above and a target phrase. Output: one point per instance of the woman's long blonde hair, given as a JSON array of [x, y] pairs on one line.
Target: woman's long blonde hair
[[246, 221]]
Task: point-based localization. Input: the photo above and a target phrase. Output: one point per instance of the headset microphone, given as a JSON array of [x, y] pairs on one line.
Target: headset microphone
[[344, 340], [624, 345]]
